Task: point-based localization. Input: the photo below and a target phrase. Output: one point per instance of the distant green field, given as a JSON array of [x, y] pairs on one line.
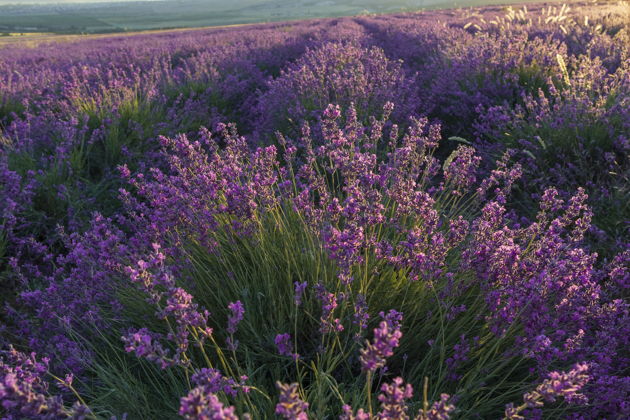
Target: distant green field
[[195, 13], [52, 23]]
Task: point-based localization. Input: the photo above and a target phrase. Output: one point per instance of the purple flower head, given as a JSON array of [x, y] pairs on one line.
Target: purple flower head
[[512, 412], [393, 400], [567, 385], [290, 405], [361, 315], [236, 316], [345, 247], [375, 353], [440, 410], [299, 292], [284, 345], [332, 112], [24, 390], [329, 304], [349, 415], [392, 317], [460, 355], [461, 167], [145, 344], [199, 404], [558, 384], [212, 381], [67, 381]]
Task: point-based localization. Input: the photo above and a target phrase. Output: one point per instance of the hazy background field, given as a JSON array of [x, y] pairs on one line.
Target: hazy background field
[[99, 16]]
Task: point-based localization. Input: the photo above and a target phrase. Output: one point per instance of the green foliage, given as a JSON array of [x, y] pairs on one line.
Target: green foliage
[[126, 130], [8, 107], [260, 271]]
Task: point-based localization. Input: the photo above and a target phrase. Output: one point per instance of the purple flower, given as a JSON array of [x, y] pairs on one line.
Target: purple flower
[[329, 302], [440, 410], [567, 385], [349, 415], [199, 404], [212, 382], [290, 405], [460, 168], [144, 344], [284, 345], [375, 353], [299, 292], [393, 318], [558, 384], [393, 400], [460, 355], [361, 315], [236, 316], [24, 391]]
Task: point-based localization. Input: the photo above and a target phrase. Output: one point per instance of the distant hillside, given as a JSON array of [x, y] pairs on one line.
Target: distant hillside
[[114, 16]]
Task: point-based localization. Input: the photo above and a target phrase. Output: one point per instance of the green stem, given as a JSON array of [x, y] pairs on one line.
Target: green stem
[[74, 391], [369, 392]]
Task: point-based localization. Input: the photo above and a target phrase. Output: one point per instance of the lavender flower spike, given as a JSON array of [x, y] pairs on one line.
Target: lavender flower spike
[[386, 339], [291, 406]]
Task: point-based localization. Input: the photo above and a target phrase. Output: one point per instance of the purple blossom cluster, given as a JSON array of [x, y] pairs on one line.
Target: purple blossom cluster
[[375, 353], [24, 389], [291, 405], [175, 305], [342, 73], [130, 203], [198, 405], [394, 399], [558, 384], [285, 346]]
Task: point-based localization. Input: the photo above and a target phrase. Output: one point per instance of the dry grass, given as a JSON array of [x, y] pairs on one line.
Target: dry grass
[[35, 39]]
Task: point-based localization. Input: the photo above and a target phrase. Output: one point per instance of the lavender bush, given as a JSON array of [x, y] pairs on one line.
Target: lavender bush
[[410, 216], [341, 73]]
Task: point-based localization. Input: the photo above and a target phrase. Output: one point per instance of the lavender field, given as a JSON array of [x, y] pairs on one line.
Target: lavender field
[[414, 216]]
